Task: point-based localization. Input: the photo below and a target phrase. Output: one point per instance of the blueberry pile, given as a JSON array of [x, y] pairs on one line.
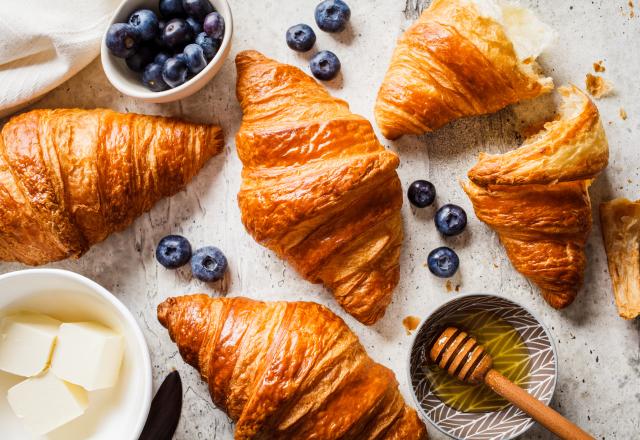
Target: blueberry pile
[[170, 48], [331, 16], [450, 220], [207, 263]]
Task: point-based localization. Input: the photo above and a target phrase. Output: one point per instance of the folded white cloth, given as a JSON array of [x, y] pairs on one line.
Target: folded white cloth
[[45, 42]]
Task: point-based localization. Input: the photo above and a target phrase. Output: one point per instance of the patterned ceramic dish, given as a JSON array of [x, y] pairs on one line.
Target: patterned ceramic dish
[[503, 424]]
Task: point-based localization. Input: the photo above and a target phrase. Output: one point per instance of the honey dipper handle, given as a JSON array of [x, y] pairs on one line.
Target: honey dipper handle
[[543, 414]]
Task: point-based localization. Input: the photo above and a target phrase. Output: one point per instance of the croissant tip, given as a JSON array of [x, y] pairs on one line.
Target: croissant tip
[[164, 309]]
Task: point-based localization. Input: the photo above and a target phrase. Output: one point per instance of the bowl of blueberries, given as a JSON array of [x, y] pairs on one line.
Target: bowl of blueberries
[[166, 50]]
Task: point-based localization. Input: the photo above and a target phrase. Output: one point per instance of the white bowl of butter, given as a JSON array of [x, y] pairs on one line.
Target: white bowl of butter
[[97, 370]]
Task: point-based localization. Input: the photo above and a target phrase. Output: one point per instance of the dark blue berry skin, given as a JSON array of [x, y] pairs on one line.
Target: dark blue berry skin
[[174, 72], [325, 65], [173, 251], [171, 9], [152, 78], [146, 22], [450, 220], [177, 34], [214, 25], [158, 38], [208, 264], [139, 60], [332, 15], [301, 37], [161, 58], [122, 39], [421, 193], [197, 8], [195, 25], [194, 56], [209, 45], [443, 262]]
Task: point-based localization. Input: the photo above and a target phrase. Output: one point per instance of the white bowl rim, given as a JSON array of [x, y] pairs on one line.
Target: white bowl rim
[[125, 314], [118, 83], [415, 334]]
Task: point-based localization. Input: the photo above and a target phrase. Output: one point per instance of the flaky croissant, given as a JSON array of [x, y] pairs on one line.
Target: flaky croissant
[[317, 186], [70, 177], [288, 370], [536, 197], [461, 58], [620, 221]]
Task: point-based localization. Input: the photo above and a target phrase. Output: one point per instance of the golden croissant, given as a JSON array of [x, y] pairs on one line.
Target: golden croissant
[[71, 177], [536, 197], [461, 58], [317, 186], [620, 221], [288, 370]]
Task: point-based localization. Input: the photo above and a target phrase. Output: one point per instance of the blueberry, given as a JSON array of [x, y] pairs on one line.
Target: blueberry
[[421, 193], [443, 262], [161, 58], [301, 37], [214, 25], [195, 59], [325, 65], [195, 25], [171, 8], [173, 251], [209, 45], [152, 78], [146, 22], [177, 34], [197, 8], [139, 60], [451, 220], [332, 15], [122, 39], [208, 264], [174, 72]]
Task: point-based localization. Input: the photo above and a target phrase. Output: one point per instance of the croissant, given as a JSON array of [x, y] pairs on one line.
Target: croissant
[[620, 221], [71, 177], [317, 186], [288, 370], [461, 58], [536, 197]]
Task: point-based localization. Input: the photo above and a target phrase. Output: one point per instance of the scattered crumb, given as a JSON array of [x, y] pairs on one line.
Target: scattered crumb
[[457, 287], [495, 265], [449, 286], [623, 114], [599, 66], [597, 86], [631, 13], [410, 323]]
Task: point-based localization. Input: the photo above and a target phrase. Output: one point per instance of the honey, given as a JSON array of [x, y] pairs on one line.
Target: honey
[[510, 357]]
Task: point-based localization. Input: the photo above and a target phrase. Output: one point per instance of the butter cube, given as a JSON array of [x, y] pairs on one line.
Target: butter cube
[[88, 354], [45, 403], [26, 342]]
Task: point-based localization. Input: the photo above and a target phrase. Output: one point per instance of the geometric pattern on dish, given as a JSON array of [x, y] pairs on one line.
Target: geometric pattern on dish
[[510, 421]]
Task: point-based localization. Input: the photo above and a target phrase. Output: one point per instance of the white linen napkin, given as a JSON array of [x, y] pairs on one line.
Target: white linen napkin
[[45, 42]]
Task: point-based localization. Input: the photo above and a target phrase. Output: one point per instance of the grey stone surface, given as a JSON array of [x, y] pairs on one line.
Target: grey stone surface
[[599, 353]]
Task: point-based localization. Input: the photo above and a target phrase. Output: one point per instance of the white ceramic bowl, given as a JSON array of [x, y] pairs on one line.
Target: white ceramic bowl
[[115, 413], [130, 83]]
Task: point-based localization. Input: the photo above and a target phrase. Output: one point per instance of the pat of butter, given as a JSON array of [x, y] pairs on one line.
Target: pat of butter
[[26, 342], [88, 354], [45, 403]]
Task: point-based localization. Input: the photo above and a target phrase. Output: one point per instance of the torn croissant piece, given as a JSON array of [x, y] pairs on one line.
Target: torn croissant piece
[[536, 197], [318, 188], [71, 177], [620, 221], [288, 370], [461, 58]]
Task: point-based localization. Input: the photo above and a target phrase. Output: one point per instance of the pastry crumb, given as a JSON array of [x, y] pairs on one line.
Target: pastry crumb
[[597, 86], [631, 13], [623, 114], [457, 287], [598, 66], [449, 286], [410, 323]]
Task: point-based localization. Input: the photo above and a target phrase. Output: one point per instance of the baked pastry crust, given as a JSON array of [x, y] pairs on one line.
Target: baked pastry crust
[[453, 62], [536, 197], [71, 177], [620, 221], [317, 186], [288, 370]]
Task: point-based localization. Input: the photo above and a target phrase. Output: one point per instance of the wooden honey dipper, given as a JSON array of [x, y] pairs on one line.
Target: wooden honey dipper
[[461, 356]]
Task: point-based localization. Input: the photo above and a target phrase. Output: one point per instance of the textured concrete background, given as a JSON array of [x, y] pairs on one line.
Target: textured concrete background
[[599, 353]]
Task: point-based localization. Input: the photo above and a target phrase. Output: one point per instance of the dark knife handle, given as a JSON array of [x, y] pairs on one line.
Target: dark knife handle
[[164, 413]]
